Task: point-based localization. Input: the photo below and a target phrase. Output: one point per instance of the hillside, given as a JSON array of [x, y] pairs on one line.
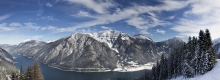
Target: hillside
[[211, 75]]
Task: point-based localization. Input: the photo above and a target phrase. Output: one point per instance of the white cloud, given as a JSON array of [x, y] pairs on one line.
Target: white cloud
[[50, 18], [37, 37], [160, 31], [49, 4], [98, 6], [49, 27], [207, 17], [171, 17], [131, 13], [83, 14], [104, 27], [4, 17], [15, 24], [25, 26], [4, 27], [30, 25]]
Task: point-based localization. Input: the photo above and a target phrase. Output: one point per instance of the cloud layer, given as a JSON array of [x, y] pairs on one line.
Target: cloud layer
[[204, 14]]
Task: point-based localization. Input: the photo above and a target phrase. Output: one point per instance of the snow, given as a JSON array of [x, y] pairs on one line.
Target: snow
[[107, 36], [8, 59], [211, 75], [141, 36], [49, 41], [133, 67]]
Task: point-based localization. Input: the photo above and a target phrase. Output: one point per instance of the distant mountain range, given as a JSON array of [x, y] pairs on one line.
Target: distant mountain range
[[216, 45], [7, 47], [105, 50]]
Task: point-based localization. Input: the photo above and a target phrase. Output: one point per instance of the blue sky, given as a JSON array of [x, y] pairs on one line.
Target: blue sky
[[159, 19]]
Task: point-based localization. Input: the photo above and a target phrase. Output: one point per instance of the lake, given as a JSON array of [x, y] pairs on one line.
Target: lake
[[55, 74]]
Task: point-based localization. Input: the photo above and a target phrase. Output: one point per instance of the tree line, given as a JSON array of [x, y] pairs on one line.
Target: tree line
[[32, 73], [196, 57]]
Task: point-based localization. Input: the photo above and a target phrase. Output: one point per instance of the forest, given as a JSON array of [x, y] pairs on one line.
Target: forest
[[196, 57], [32, 73]]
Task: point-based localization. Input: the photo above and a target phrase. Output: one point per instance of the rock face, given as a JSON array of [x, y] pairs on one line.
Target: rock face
[[216, 45], [6, 64], [28, 48], [217, 48], [167, 45], [105, 50], [77, 51], [138, 50]]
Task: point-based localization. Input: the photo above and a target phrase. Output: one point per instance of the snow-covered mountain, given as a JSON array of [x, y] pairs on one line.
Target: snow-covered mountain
[[77, 52], [217, 48], [7, 47], [216, 45], [216, 41], [5, 55], [141, 36], [6, 64], [28, 48], [108, 49], [105, 50], [107, 36], [168, 45]]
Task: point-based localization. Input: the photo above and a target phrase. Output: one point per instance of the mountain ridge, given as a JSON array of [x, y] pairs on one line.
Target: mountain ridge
[[105, 50]]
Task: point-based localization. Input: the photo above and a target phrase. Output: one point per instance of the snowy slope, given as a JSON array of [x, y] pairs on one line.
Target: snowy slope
[[6, 64], [106, 36], [5, 55], [216, 45], [214, 74], [216, 41], [141, 36]]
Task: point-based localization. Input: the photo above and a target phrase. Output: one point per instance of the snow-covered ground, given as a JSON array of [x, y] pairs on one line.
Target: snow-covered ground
[[133, 67], [214, 74]]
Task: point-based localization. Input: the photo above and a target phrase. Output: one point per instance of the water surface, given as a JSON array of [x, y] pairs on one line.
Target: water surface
[[55, 74]]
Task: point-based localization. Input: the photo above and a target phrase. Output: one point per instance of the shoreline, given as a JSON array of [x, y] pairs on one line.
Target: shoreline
[[135, 68]]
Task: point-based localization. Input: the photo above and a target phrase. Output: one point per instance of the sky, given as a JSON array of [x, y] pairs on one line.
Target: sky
[[44, 20]]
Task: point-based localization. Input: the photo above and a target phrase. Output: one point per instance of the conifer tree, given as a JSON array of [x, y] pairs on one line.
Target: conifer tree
[[194, 58], [200, 53], [209, 51], [14, 76], [36, 73], [157, 70], [153, 73], [21, 73], [28, 73]]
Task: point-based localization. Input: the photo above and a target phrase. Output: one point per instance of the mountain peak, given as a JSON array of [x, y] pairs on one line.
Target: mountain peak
[[175, 39], [30, 40], [109, 32], [141, 36]]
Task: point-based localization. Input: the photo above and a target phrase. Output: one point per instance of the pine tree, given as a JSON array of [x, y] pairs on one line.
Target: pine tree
[[162, 68], [28, 73], [153, 73], [188, 69], [21, 74], [157, 72], [14, 76], [210, 51], [36, 73], [170, 66], [200, 53]]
